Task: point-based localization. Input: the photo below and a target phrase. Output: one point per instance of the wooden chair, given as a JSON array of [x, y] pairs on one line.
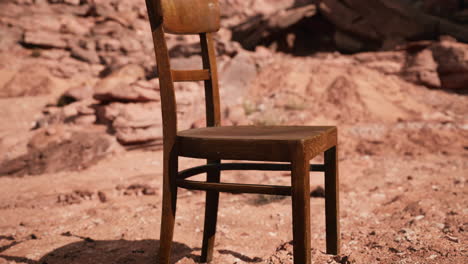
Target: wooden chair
[[295, 146]]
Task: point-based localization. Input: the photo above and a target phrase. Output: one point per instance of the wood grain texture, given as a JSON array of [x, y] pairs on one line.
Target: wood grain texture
[[190, 16], [332, 197], [235, 187], [211, 213], [166, 88], [301, 206], [190, 75], [213, 119], [276, 143], [212, 102], [169, 203]]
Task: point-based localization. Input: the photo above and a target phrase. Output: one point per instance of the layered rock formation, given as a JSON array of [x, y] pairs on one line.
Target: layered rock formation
[[92, 63]]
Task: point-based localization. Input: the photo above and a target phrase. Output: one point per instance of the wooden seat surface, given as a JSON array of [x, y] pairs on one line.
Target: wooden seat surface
[[270, 143]]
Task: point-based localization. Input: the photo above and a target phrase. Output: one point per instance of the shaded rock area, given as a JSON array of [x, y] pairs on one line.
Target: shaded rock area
[[350, 26], [55, 150], [452, 59]]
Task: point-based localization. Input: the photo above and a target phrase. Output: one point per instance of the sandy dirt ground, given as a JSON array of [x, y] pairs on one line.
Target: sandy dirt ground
[[394, 209]]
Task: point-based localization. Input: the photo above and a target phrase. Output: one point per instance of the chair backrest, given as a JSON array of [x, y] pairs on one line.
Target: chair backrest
[[185, 17], [190, 16]]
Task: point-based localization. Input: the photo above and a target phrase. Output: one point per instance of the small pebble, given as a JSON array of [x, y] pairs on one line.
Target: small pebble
[[419, 217]]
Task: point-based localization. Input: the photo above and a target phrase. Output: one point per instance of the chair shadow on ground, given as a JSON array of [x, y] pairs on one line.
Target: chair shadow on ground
[[111, 252], [103, 252]]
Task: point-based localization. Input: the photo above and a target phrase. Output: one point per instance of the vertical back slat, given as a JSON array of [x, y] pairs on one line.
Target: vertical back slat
[[167, 76], [213, 112]]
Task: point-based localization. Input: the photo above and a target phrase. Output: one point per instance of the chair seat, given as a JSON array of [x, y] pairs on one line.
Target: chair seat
[[266, 143]]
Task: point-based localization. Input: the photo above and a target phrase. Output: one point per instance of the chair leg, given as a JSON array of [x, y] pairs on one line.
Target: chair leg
[[168, 208], [301, 210], [332, 202], [211, 216]]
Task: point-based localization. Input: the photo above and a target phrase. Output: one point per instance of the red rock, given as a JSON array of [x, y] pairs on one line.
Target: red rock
[[346, 43], [455, 81], [107, 28], [136, 115], [28, 81], [130, 44], [236, 115], [128, 93], [133, 122], [85, 120], [199, 123], [108, 44], [389, 62], [35, 22], [9, 37], [80, 92], [72, 2], [452, 60], [44, 39], [83, 107], [62, 150], [185, 63], [452, 57], [75, 25], [422, 68], [85, 54], [138, 135], [114, 86], [230, 83], [54, 54]]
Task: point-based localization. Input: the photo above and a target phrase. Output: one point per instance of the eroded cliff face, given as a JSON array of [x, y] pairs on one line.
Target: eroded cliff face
[[80, 110]]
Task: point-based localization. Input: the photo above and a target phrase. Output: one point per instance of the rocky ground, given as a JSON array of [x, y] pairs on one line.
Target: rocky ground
[[80, 140]]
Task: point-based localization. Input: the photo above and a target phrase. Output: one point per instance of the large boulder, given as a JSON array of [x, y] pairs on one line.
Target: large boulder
[[422, 68], [233, 87], [452, 60], [133, 122]]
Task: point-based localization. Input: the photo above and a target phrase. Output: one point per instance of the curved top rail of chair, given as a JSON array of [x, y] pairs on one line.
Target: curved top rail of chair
[[190, 17]]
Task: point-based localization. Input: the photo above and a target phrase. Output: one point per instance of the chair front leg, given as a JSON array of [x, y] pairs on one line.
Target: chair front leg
[[332, 202], [301, 209], [211, 215], [169, 203]]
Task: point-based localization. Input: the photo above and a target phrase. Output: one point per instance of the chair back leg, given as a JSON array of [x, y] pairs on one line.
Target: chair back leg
[[211, 215], [332, 202]]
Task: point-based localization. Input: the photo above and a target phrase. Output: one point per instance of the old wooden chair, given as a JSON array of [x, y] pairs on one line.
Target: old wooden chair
[[295, 146]]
